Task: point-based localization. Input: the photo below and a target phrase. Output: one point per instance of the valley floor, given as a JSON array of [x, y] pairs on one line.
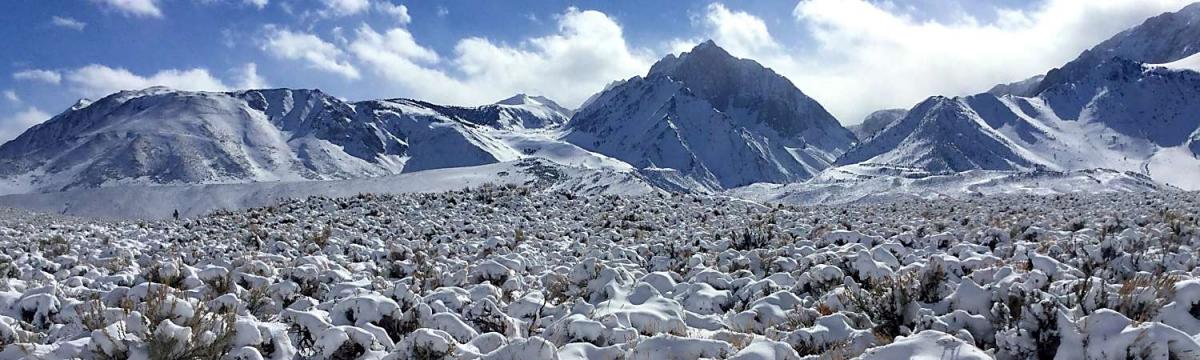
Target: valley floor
[[504, 272]]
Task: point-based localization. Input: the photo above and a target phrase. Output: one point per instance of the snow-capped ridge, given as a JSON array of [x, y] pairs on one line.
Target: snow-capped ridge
[[715, 118], [535, 100], [1110, 108], [162, 136], [1160, 39], [940, 135]]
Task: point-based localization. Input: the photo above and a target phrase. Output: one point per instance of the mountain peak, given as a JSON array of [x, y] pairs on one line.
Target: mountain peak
[[1164, 38], [519, 99], [149, 91], [1161, 39], [728, 82], [715, 119], [706, 55], [708, 46], [534, 100]]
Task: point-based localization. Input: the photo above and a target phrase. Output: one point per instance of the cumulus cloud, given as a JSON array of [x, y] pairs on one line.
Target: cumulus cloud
[[345, 7], [99, 80], [95, 80], [587, 52], [400, 12], [396, 56], [67, 22], [397, 42], [740, 32], [248, 78], [869, 56], [46, 76], [136, 8], [12, 126], [317, 53]]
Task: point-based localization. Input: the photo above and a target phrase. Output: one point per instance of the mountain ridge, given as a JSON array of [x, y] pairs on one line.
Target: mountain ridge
[[1111, 107], [701, 120], [717, 119], [163, 136]]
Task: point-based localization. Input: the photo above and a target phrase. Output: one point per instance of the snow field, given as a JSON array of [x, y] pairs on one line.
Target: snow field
[[509, 273]]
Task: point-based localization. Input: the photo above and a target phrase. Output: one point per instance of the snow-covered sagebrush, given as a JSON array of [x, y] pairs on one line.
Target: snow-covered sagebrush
[[508, 273]]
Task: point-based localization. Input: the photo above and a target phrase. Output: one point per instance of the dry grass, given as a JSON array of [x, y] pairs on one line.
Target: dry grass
[[160, 305]]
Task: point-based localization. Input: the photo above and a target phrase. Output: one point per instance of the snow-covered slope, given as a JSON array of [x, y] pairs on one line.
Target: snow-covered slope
[[857, 184], [1160, 39], [160, 201], [162, 136], [530, 112], [1106, 109], [940, 135], [712, 118]]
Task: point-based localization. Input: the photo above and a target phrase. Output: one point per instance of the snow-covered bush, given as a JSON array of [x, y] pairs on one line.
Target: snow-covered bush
[[505, 273]]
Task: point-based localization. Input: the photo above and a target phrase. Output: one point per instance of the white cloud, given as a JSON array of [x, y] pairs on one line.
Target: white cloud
[[96, 81], [137, 8], [587, 52], [398, 42], [400, 12], [11, 127], [319, 55], [12, 97], [248, 78], [67, 22], [260, 4], [869, 58], [46, 76], [864, 56], [395, 55], [345, 7], [740, 32], [442, 11]]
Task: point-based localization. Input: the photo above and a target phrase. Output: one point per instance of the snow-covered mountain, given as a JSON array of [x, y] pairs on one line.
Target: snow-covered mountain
[[163, 136], [714, 119], [940, 135], [1112, 107], [699, 121], [1025, 87], [524, 111], [876, 121]]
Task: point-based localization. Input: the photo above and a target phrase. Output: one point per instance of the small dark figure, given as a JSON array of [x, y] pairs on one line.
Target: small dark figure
[[176, 214]]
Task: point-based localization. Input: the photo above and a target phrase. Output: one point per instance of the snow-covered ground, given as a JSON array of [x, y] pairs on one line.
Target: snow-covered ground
[[867, 183], [508, 272], [161, 201], [567, 170]]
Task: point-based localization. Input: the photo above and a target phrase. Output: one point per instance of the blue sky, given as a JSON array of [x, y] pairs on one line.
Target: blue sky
[[855, 56]]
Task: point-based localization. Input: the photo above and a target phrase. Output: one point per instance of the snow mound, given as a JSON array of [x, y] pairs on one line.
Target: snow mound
[[927, 345]]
